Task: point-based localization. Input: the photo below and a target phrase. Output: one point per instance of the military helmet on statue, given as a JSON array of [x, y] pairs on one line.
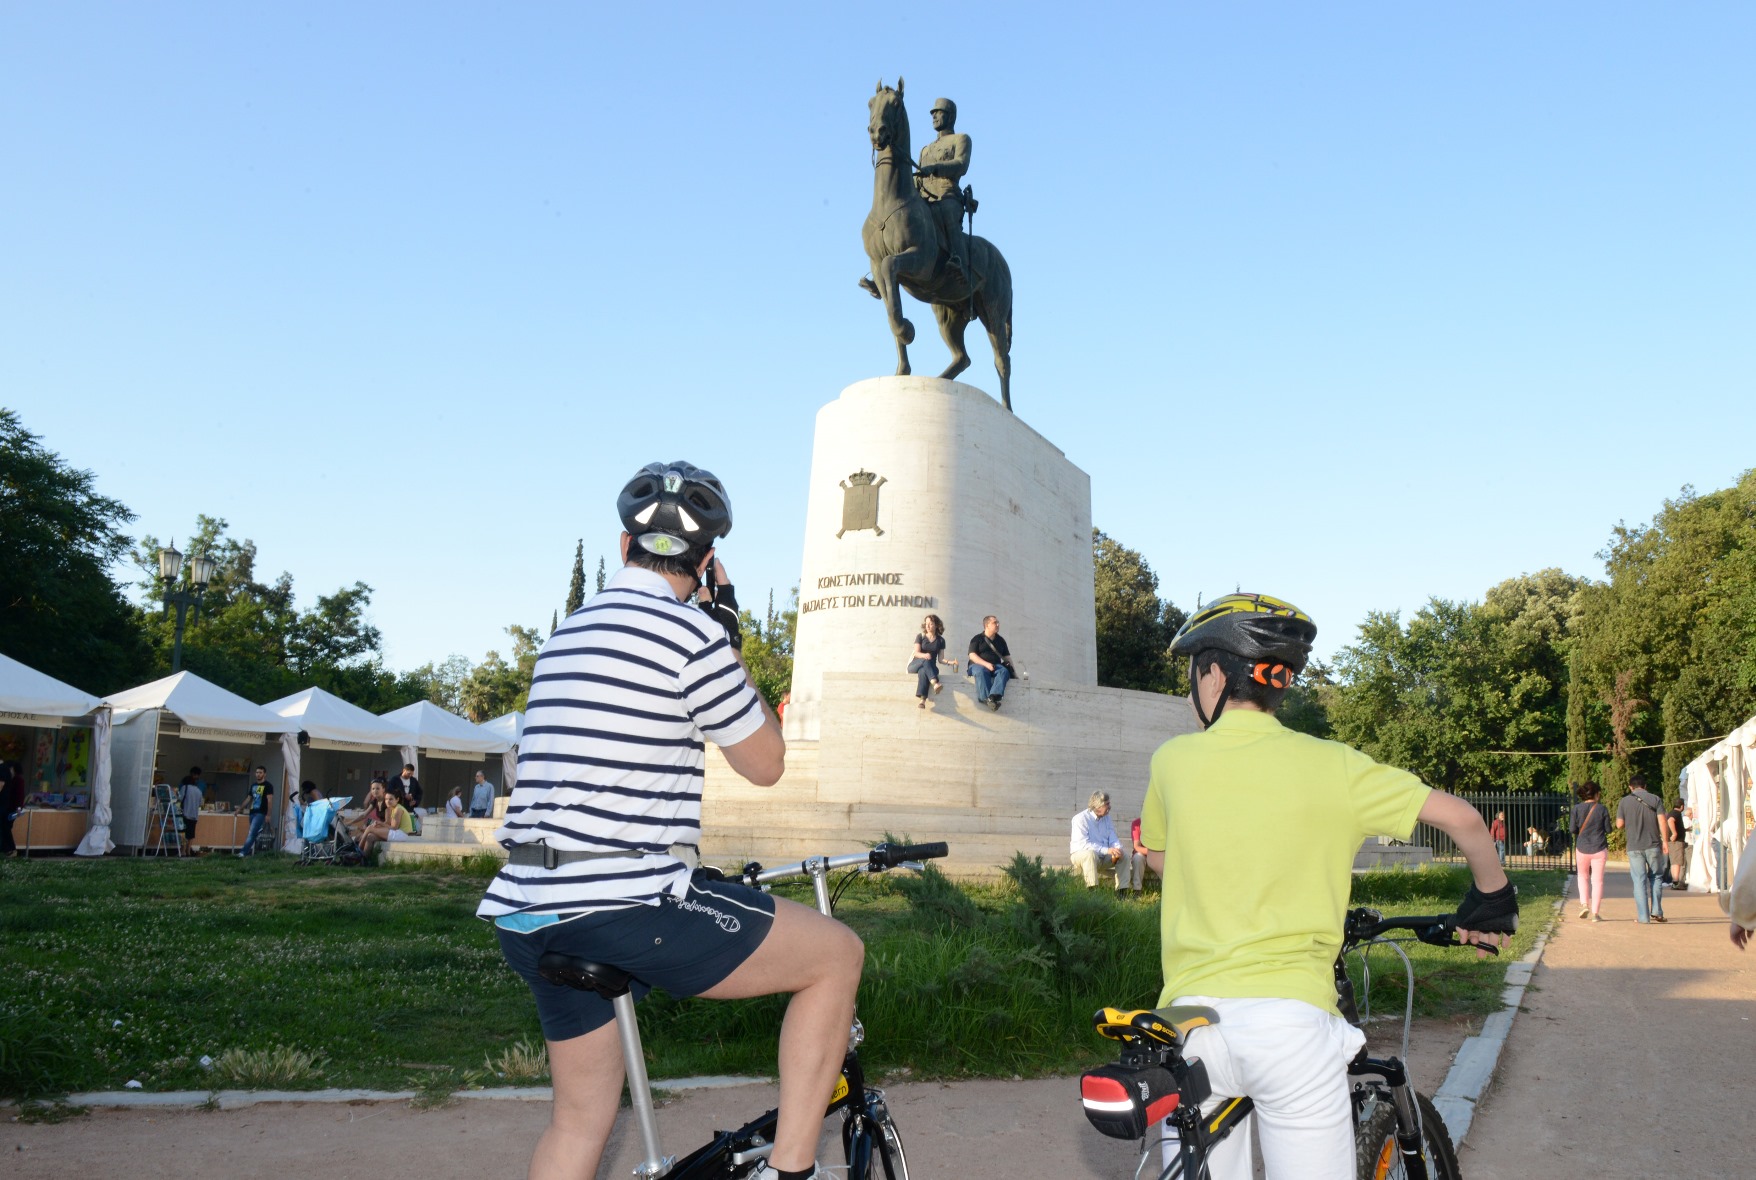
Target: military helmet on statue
[[946, 105]]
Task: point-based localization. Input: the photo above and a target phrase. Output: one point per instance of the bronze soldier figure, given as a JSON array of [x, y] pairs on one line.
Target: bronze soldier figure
[[943, 163]]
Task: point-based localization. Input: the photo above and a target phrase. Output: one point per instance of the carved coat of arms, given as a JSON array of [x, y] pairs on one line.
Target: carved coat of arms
[[859, 503]]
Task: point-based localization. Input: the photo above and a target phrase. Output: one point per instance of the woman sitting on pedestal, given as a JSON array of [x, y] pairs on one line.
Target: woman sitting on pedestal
[[929, 648]]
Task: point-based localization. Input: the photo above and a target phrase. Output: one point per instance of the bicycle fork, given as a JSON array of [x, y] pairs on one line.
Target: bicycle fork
[[1402, 1100]]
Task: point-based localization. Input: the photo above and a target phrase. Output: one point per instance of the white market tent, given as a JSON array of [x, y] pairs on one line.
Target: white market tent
[[1720, 785], [31, 698], [329, 723], [509, 726], [178, 712], [438, 734]]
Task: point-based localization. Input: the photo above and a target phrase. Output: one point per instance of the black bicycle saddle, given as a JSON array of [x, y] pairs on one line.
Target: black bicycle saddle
[[571, 971]]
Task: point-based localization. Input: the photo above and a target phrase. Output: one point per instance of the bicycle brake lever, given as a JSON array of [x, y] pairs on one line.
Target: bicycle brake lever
[[1444, 933]]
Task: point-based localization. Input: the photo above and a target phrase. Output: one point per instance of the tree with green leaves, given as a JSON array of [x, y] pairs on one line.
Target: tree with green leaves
[[1668, 643], [1461, 682], [1133, 625], [768, 647], [60, 610], [576, 585], [250, 636], [600, 574], [495, 686]]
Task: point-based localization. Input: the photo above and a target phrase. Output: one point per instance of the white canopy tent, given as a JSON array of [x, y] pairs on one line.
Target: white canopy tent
[[440, 735], [328, 723], [1720, 785], [509, 726], [32, 699], [203, 712]]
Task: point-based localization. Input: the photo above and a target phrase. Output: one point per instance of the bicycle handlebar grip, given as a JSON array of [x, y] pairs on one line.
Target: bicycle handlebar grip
[[894, 855]]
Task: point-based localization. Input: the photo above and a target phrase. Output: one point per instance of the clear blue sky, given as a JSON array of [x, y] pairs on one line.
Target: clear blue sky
[[1357, 304]]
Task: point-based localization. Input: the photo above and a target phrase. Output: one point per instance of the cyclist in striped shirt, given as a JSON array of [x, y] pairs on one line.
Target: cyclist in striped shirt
[[602, 826]]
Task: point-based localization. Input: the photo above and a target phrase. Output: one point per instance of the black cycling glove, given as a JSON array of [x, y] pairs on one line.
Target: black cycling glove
[[722, 604], [1489, 913]]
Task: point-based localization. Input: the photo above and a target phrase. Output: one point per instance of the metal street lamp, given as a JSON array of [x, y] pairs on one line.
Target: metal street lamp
[[182, 598]]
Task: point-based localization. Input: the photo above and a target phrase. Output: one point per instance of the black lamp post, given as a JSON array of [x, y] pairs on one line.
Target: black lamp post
[[186, 596]]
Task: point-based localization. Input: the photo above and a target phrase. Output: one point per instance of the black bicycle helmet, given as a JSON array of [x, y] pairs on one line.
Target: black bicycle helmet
[[1271, 634], [675, 509]]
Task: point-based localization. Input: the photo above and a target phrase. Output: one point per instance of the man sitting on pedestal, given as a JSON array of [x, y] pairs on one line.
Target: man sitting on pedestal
[[990, 661], [1095, 847]]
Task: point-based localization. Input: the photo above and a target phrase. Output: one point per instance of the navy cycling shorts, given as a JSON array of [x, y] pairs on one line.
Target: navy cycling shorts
[[685, 945]]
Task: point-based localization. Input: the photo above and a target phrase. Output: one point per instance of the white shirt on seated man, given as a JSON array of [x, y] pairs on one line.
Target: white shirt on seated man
[[1096, 849]]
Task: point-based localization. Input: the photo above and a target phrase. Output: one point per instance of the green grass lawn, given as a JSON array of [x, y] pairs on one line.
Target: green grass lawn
[[125, 969]]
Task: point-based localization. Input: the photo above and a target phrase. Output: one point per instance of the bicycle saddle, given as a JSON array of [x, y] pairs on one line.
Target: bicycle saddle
[[570, 971], [1167, 1026]]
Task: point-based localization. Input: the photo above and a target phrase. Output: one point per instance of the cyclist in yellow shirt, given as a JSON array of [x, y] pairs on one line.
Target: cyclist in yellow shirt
[[1253, 829]]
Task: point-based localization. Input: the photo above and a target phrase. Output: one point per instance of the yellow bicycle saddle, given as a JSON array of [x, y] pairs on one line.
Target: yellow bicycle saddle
[[1167, 1026]]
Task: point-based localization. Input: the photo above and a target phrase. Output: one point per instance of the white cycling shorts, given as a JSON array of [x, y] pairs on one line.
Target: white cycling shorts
[[1291, 1060]]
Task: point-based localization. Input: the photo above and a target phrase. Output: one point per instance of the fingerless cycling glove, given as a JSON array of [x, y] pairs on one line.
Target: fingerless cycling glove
[[1489, 913], [723, 606]]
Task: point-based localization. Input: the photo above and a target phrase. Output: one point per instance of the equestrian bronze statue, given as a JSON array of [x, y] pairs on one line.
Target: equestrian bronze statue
[[914, 243]]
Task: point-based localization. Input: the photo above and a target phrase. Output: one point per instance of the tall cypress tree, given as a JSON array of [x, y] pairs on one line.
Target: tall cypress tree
[[1578, 760], [600, 573], [576, 587]]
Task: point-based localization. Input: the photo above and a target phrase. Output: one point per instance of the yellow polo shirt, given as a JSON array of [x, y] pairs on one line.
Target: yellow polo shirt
[[1259, 826]]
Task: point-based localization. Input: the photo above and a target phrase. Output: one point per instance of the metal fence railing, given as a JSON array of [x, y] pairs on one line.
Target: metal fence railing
[[1536, 829]]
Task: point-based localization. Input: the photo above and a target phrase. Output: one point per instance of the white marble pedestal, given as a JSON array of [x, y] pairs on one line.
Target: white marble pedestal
[[929, 497]]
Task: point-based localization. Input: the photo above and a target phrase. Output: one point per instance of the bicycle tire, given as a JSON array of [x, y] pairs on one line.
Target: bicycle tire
[[890, 1154], [1376, 1156]]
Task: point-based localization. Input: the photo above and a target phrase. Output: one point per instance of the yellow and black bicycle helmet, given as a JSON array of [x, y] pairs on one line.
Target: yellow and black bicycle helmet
[[1270, 634]]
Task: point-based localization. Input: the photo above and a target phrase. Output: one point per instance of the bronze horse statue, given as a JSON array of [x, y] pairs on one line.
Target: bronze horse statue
[[906, 253]]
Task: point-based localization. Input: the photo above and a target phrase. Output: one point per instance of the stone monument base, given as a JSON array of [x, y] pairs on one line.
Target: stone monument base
[[987, 783]]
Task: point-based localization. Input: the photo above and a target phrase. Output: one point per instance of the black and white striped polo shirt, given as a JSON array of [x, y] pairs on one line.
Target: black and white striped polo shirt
[[613, 757]]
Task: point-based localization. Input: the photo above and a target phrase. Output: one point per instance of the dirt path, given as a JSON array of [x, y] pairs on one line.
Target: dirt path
[[1635, 1054], [988, 1130]]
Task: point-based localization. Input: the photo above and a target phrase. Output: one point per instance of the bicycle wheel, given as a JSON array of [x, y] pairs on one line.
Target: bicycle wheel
[[1377, 1157], [890, 1155]]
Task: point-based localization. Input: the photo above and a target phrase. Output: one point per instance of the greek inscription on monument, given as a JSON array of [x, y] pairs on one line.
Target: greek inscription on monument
[[858, 601]]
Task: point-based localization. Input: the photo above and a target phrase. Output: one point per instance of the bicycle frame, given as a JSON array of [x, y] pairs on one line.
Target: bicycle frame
[[863, 1110]]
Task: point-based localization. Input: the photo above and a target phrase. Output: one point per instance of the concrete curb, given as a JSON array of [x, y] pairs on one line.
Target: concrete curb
[[238, 1099], [1472, 1070]]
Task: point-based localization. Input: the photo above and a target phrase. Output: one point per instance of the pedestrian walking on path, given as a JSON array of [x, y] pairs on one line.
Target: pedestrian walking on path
[[1591, 820]]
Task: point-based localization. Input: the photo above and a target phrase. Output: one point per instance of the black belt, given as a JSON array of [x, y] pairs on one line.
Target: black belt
[[551, 858]]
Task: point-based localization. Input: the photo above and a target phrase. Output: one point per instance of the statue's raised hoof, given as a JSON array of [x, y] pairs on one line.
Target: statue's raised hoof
[[870, 288]]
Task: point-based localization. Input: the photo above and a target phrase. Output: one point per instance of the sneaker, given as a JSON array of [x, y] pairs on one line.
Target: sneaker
[[1658, 918], [769, 1172], [1596, 918], [1584, 913], [994, 703]]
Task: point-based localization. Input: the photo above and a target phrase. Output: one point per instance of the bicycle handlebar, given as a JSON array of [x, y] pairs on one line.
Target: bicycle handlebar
[[876, 860], [1364, 925]]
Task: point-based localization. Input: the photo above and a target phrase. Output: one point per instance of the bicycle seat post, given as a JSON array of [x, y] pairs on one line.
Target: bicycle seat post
[[654, 1163]]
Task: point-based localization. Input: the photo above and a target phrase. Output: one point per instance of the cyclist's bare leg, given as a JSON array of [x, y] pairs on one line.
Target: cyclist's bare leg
[[819, 961], [587, 1073]]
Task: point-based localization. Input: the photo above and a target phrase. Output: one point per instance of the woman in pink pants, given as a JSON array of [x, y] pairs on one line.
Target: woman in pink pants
[[1591, 831]]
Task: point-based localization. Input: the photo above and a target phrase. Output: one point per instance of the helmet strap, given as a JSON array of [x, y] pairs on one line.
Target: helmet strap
[[1219, 706]]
